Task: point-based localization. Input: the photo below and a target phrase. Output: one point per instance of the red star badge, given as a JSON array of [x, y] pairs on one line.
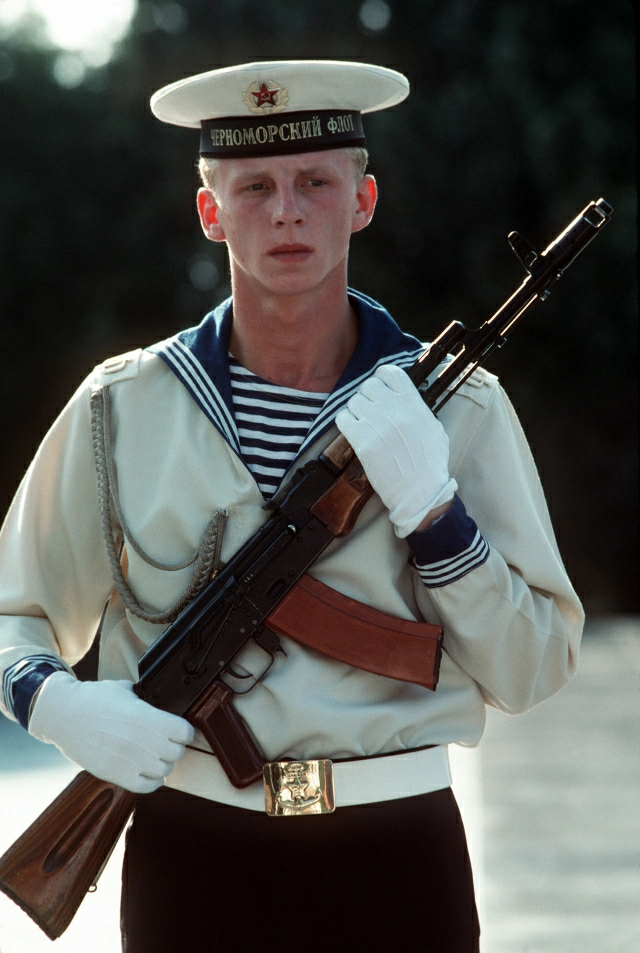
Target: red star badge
[[265, 96]]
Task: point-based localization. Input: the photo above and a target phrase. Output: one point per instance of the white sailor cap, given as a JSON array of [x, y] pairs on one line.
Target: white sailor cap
[[277, 108]]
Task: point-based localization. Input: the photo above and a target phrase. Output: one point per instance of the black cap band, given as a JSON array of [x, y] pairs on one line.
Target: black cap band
[[284, 133]]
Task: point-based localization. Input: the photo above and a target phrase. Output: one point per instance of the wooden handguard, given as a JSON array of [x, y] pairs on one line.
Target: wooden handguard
[[321, 618], [49, 870], [341, 505]]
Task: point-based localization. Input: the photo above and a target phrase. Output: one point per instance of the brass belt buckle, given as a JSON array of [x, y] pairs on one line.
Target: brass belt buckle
[[293, 788]]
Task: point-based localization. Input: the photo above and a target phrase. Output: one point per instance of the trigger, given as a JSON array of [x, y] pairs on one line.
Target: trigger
[[235, 674]]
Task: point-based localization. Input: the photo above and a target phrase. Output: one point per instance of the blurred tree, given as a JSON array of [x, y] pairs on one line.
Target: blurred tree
[[520, 114]]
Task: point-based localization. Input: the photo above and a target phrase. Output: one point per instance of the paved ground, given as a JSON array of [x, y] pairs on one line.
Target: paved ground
[[550, 801], [561, 789]]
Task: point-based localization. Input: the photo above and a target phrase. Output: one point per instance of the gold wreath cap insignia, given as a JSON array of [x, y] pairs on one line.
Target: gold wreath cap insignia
[[264, 98]]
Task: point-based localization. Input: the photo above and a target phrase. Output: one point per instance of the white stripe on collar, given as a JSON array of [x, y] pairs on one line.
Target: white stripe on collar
[[198, 357], [189, 369]]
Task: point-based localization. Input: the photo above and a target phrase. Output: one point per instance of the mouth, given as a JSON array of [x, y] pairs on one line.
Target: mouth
[[290, 253]]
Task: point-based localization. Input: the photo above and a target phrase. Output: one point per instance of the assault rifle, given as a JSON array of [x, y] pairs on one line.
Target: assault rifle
[[263, 593]]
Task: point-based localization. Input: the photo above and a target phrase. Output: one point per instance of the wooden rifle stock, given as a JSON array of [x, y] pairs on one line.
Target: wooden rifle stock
[[49, 870], [51, 867]]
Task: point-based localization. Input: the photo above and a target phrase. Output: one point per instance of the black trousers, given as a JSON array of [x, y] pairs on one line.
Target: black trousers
[[203, 877]]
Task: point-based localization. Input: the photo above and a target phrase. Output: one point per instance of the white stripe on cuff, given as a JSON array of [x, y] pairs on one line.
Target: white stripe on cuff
[[445, 571]]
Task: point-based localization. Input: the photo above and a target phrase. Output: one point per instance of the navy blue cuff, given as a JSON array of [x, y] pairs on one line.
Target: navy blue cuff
[[449, 549], [21, 681]]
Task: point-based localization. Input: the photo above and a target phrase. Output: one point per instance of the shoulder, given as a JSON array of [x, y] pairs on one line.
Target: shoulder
[[137, 365], [481, 386], [479, 407]]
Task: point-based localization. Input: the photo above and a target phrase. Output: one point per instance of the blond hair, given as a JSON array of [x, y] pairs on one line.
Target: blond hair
[[207, 165]]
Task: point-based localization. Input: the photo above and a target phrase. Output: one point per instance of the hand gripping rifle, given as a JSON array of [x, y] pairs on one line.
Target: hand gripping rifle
[[264, 592]]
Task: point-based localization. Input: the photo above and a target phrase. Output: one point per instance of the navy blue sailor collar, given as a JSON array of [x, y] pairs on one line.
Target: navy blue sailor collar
[[198, 358]]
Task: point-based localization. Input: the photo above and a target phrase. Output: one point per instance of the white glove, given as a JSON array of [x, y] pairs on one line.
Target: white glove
[[106, 729], [403, 448]]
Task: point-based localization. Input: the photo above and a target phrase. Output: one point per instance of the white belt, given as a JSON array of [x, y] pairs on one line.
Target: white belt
[[366, 781]]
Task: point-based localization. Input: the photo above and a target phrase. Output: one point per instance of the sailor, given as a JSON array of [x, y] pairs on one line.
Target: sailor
[[157, 472]]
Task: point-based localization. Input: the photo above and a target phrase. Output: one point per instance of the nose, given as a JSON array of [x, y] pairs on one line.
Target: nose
[[287, 208]]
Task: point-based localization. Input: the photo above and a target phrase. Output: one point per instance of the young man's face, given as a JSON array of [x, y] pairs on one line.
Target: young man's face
[[287, 220]]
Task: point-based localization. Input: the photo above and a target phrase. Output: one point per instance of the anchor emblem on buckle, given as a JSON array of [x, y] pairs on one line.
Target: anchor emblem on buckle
[[298, 788]]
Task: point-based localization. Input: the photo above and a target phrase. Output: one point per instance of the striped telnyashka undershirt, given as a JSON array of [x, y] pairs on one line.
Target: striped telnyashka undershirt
[[272, 423]]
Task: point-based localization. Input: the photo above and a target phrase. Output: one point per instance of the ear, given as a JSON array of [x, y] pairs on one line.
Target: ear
[[366, 198], [208, 212]]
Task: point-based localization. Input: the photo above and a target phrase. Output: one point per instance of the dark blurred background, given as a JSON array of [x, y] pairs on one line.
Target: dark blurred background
[[521, 113]]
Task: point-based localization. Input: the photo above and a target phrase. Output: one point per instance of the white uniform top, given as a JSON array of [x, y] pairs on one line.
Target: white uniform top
[[512, 625]]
